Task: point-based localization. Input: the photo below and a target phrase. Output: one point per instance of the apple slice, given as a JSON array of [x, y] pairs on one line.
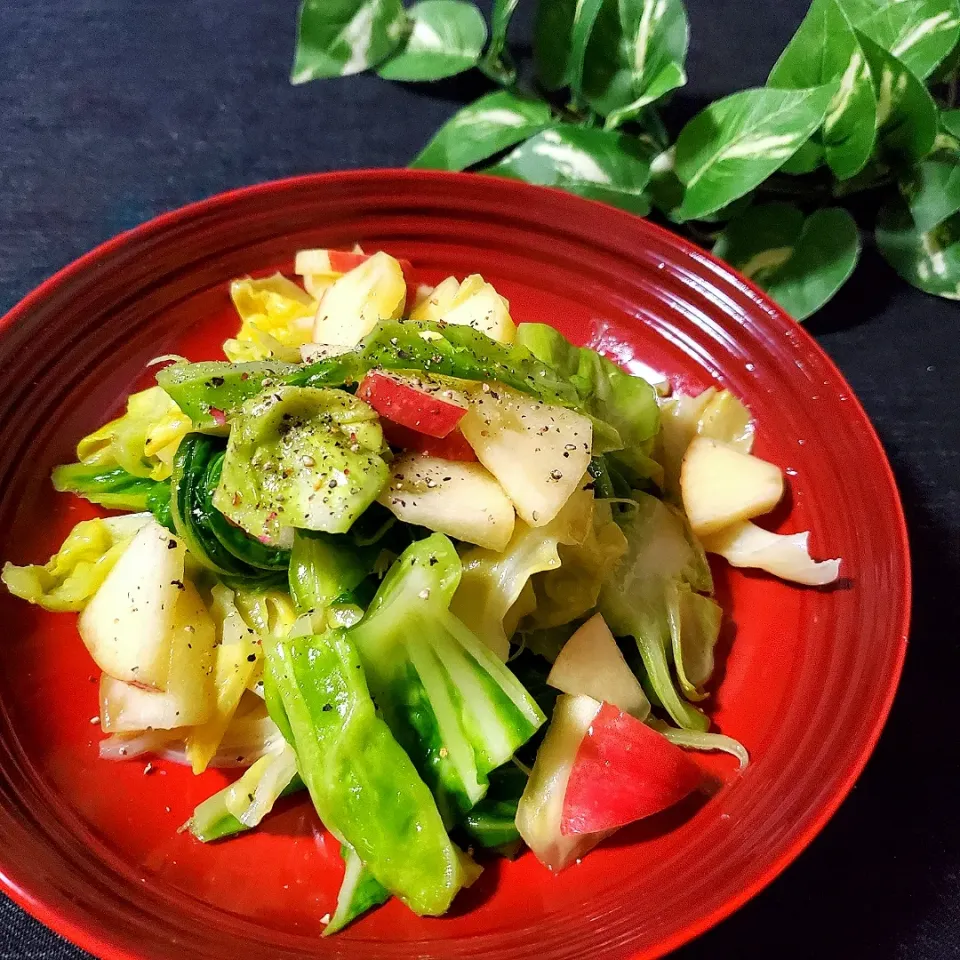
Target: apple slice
[[623, 771], [540, 810], [473, 303], [451, 447], [437, 302], [350, 308], [126, 626], [461, 500], [188, 698], [720, 485], [537, 452], [409, 405], [591, 663], [317, 286], [334, 263], [478, 305]]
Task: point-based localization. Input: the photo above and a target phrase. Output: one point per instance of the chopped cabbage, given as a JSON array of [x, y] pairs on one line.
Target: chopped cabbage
[[635, 600], [492, 583], [142, 441], [784, 555], [572, 590], [277, 319], [74, 574], [238, 651], [627, 405], [453, 706], [694, 631]]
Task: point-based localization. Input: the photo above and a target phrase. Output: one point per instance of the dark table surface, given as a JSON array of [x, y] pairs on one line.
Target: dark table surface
[[112, 111]]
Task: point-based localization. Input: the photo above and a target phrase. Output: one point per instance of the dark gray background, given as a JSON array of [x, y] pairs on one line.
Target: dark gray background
[[112, 111]]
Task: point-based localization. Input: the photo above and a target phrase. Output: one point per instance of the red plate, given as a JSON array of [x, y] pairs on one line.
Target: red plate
[[92, 849]]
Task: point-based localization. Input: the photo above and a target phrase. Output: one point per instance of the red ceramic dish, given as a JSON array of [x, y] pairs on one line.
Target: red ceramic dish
[[92, 848]]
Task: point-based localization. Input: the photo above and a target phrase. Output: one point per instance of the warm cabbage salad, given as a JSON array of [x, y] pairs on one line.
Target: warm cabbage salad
[[444, 572]]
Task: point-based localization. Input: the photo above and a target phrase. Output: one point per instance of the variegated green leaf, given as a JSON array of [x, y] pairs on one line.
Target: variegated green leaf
[[918, 32], [481, 129], [932, 189], [736, 143], [598, 164], [824, 49], [336, 38], [446, 37], [499, 22], [800, 262], [929, 261], [635, 56], [906, 113], [808, 158], [496, 61], [561, 33], [584, 23]]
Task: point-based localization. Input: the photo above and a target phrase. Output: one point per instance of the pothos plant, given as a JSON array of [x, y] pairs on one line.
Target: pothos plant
[[861, 102]]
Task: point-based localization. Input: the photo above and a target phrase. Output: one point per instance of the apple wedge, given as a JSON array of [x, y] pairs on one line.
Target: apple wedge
[[537, 452], [478, 305], [437, 302], [540, 810], [720, 485], [403, 402], [333, 263], [591, 663], [473, 303], [451, 447], [189, 697], [127, 624], [623, 771], [461, 500], [353, 305]]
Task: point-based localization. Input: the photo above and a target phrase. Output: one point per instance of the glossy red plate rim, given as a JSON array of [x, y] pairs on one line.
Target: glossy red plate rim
[[90, 939]]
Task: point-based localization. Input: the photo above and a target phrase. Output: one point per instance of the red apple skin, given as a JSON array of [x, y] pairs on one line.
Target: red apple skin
[[342, 261], [408, 406], [623, 771], [453, 446]]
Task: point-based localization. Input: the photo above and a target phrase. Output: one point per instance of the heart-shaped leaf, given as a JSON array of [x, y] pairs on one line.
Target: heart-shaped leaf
[[598, 164], [495, 61], [825, 48], [906, 113], [481, 129], [932, 189], [929, 261], [560, 35], [800, 262], [920, 33], [446, 37], [736, 143], [635, 56], [336, 38]]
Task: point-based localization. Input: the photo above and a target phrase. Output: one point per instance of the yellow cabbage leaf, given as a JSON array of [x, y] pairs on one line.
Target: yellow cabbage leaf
[[142, 441], [74, 574], [277, 319]]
